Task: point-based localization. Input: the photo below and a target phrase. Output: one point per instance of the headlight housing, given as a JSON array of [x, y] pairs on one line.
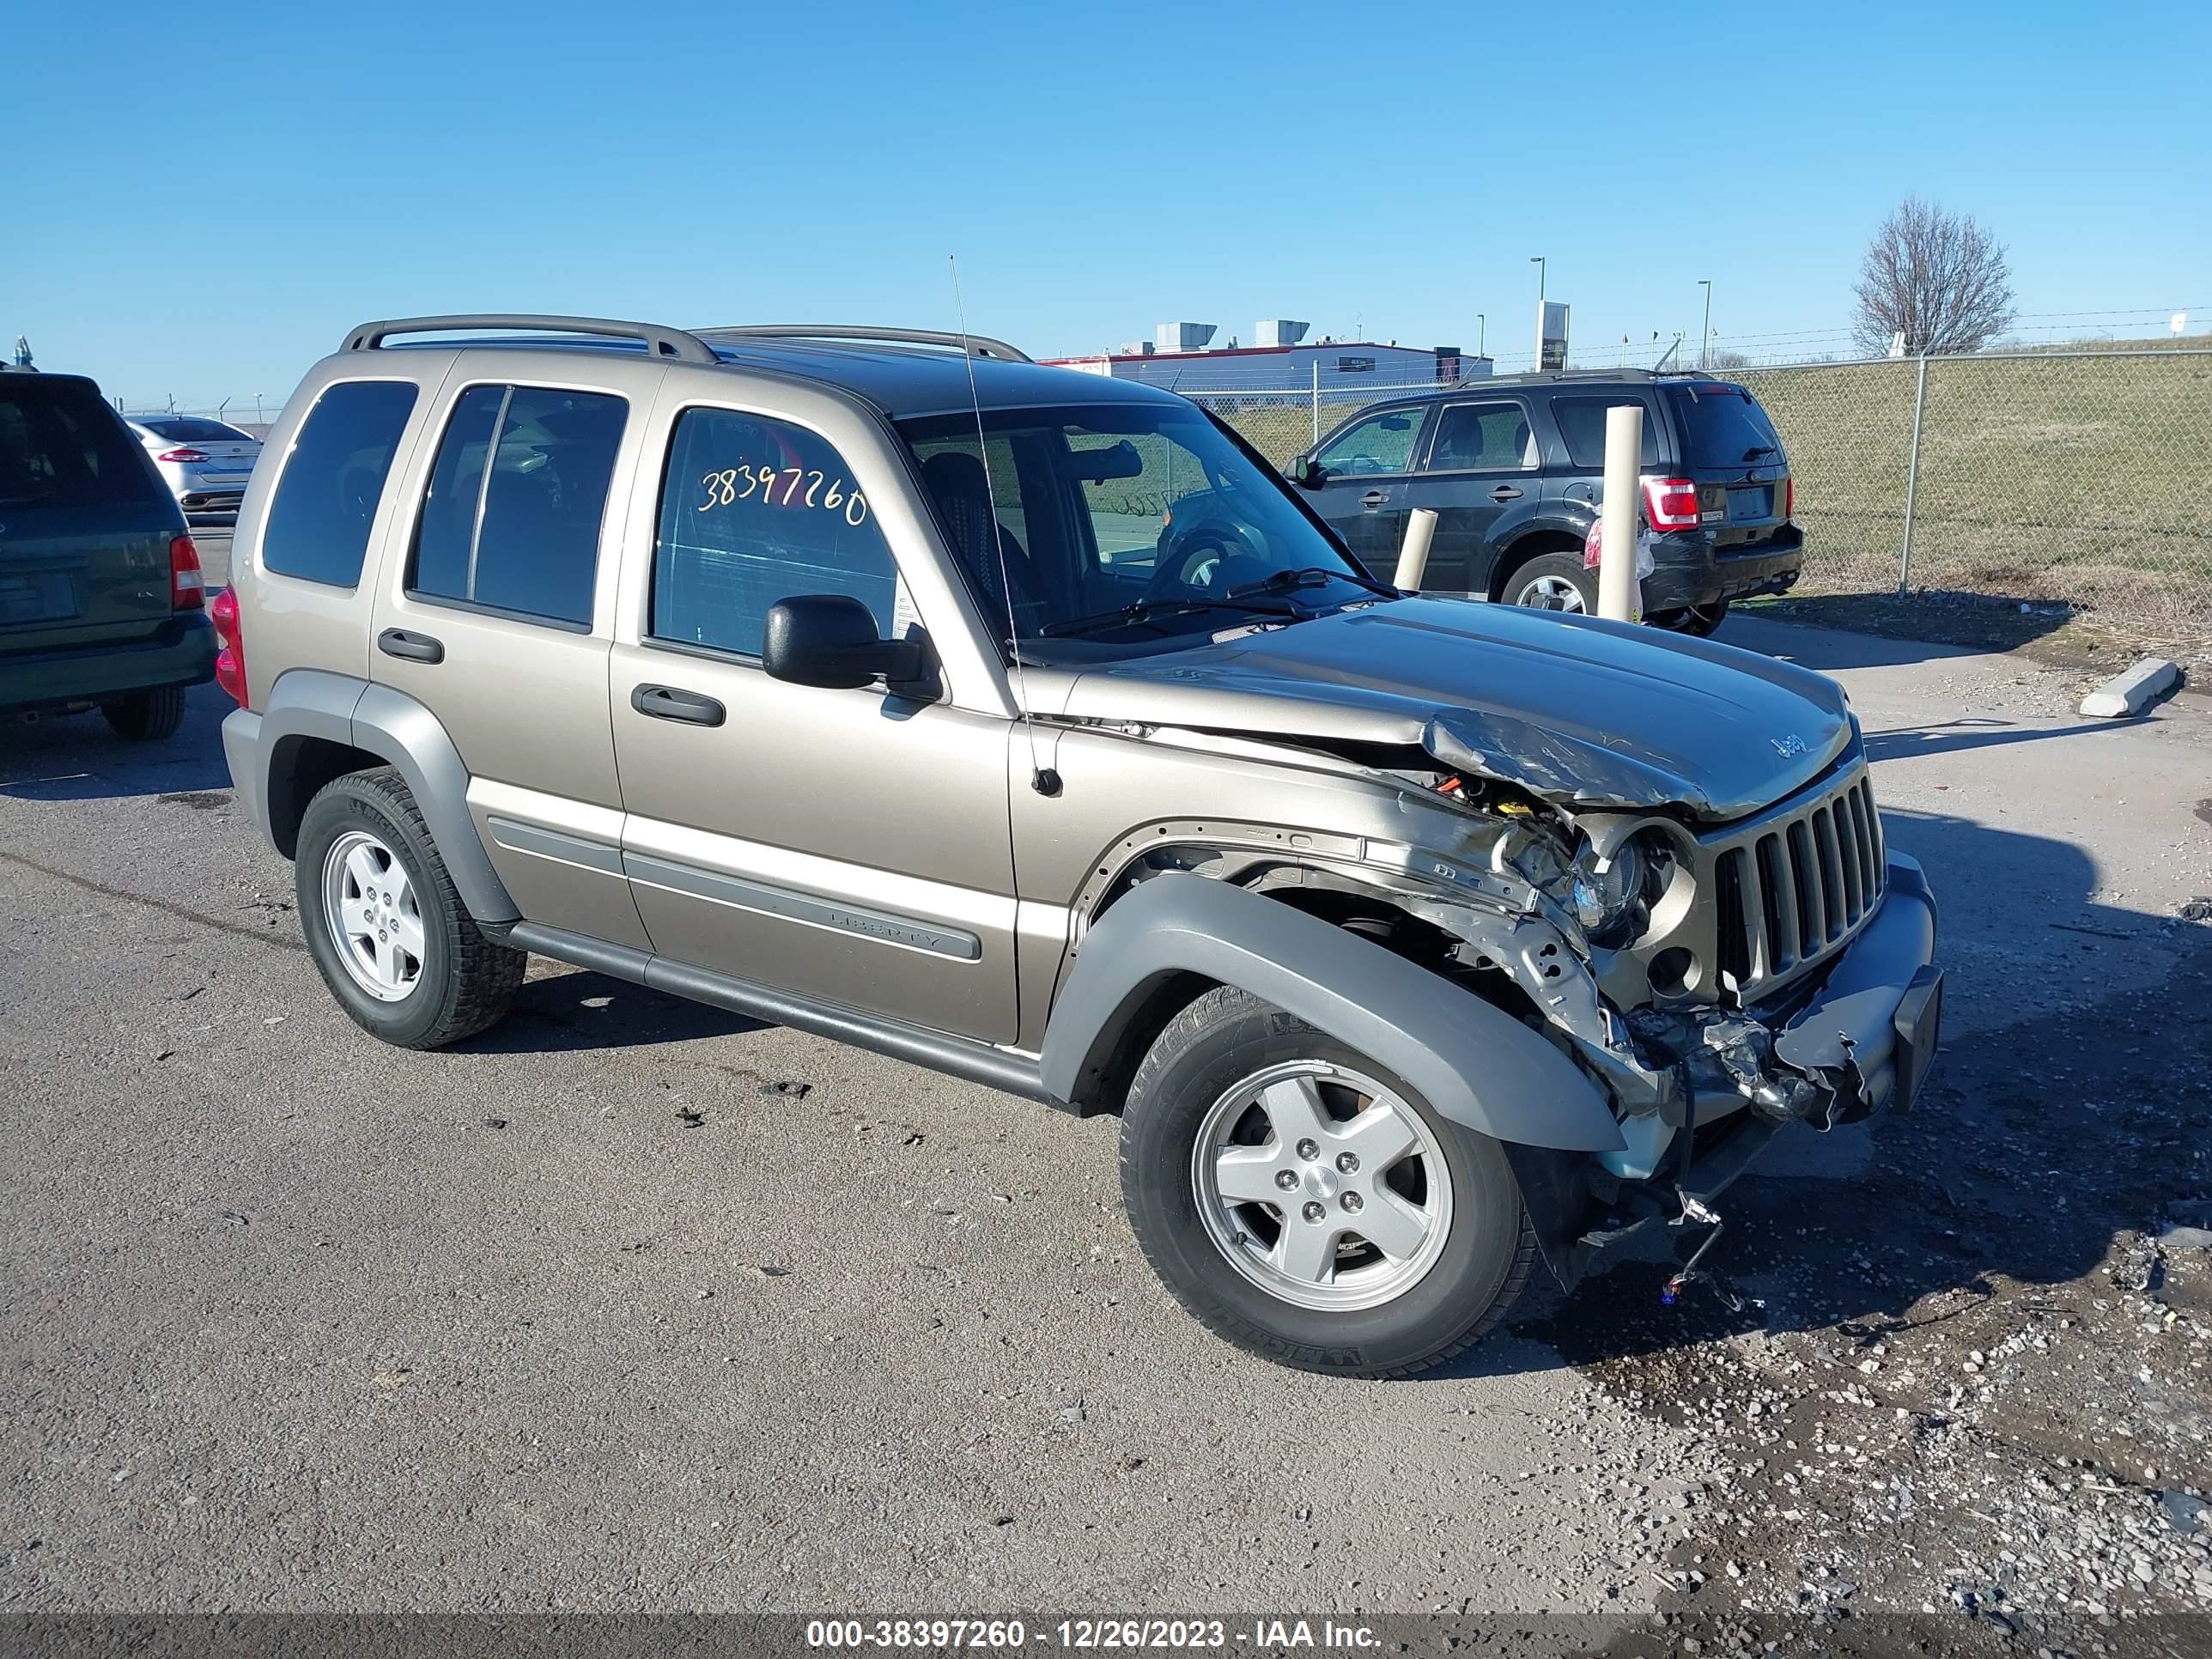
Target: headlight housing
[[1613, 896]]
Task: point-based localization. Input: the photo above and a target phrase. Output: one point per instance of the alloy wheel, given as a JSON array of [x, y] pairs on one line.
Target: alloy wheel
[[374, 918], [1321, 1186]]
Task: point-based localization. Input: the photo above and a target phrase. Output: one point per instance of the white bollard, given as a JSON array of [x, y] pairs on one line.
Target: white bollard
[[1414, 552], [1616, 564]]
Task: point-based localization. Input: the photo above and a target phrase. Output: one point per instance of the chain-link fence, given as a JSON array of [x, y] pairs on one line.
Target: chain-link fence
[[2075, 479], [252, 414]]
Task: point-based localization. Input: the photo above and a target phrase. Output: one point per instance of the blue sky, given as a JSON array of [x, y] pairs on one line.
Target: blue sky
[[199, 202]]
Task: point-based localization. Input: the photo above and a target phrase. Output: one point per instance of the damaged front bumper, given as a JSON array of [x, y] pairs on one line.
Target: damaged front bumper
[[1867, 1038], [1860, 1042]]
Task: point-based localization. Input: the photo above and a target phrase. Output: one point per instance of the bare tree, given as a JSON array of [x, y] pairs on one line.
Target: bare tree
[[1938, 278]]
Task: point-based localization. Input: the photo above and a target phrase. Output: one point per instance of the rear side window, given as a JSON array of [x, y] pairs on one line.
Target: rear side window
[[754, 511], [317, 526], [61, 447], [512, 519], [1581, 426], [1482, 438], [1722, 425]]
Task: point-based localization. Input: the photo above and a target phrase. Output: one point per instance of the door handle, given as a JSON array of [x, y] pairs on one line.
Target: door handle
[[1505, 493], [666, 702], [416, 647], [1375, 498]]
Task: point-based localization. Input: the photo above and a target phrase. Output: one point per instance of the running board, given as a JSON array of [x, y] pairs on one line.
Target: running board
[[961, 1057]]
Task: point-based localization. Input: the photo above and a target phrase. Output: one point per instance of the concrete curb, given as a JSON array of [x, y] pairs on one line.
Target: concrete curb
[[2134, 691]]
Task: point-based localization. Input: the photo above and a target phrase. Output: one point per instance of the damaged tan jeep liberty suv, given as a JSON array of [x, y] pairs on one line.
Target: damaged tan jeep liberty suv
[[1026, 724]]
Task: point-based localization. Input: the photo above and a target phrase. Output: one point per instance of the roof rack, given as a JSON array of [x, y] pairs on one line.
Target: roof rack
[[979, 345], [1549, 374], [661, 342]]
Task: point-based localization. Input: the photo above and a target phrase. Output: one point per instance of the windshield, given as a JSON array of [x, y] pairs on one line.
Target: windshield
[[1123, 530]]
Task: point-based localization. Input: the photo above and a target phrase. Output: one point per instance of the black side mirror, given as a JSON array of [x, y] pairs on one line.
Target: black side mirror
[[830, 639], [1307, 472]]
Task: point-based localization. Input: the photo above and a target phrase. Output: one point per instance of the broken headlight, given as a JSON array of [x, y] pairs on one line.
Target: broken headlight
[[1613, 896]]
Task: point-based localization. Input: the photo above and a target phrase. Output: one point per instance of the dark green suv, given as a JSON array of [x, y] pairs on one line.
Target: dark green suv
[[101, 600]]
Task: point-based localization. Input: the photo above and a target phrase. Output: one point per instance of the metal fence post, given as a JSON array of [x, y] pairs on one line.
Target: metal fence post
[[1317, 403], [1912, 479]]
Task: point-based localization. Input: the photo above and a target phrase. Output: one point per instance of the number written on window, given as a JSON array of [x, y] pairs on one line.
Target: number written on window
[[784, 486]]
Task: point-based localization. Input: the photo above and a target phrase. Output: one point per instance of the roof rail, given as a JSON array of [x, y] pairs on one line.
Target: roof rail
[[661, 342], [979, 345]]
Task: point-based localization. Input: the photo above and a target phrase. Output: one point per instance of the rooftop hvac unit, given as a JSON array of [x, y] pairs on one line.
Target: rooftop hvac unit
[[1278, 331], [1184, 337]]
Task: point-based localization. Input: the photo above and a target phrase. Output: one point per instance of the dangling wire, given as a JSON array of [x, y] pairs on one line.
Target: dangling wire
[[1042, 779]]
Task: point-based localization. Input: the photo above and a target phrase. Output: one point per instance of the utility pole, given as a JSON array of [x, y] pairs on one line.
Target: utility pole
[[1481, 332], [1705, 342]]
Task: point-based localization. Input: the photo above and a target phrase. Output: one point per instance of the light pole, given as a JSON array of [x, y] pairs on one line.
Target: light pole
[[1542, 270], [1482, 333], [1705, 342]]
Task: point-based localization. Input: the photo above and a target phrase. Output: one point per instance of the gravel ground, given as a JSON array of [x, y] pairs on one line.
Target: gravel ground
[[632, 1306]]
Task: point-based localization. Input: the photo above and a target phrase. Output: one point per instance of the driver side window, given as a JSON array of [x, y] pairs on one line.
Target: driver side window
[[1380, 444]]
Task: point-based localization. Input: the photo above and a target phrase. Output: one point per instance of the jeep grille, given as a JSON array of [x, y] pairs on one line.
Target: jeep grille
[[1794, 884]]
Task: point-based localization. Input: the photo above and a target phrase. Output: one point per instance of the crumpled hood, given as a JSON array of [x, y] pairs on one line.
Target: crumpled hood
[[1588, 713]]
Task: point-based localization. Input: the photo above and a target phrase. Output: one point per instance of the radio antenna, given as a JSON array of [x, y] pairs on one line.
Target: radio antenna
[[1042, 779]]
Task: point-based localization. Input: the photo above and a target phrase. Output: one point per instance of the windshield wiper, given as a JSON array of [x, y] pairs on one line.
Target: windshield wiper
[[1758, 450], [1311, 575], [1145, 610]]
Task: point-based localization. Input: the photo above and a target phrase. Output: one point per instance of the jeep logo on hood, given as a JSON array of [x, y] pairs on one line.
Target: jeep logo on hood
[[1789, 746]]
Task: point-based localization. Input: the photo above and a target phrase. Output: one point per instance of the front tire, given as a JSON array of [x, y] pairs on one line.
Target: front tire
[[1555, 581], [146, 716], [388, 930], [1305, 1204]]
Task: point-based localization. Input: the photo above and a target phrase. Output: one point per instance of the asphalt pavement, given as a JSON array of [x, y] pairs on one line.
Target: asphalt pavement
[[632, 1305]]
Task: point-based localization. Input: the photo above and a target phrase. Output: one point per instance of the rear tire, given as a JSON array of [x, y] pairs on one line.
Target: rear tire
[[146, 716], [1553, 581], [1453, 1248], [384, 924]]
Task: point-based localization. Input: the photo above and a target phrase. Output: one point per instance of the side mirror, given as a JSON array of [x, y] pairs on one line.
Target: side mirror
[[1307, 472], [830, 639]]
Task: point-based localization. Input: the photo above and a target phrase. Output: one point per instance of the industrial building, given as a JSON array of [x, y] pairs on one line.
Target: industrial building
[[1279, 360]]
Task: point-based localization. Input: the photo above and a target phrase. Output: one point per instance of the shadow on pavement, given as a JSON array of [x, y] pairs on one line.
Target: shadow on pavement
[[1948, 737], [562, 1011], [77, 758], [1885, 629], [2038, 1138]]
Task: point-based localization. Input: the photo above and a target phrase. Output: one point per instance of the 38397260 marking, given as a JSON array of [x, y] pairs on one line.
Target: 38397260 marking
[[786, 486], [922, 1634]]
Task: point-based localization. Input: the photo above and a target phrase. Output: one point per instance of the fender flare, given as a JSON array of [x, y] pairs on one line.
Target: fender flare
[[312, 703], [1475, 1063]]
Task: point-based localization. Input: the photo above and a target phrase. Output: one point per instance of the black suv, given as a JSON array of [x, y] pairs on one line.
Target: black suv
[[1514, 467]]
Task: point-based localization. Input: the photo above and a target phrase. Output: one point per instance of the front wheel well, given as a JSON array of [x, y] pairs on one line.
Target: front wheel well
[[1534, 544], [299, 768], [1119, 1047]]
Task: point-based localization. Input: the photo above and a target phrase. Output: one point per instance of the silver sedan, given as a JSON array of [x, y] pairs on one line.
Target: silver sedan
[[205, 462]]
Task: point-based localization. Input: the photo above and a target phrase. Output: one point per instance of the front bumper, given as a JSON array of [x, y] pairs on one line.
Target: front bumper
[[1862, 1042], [1870, 1033], [180, 651]]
